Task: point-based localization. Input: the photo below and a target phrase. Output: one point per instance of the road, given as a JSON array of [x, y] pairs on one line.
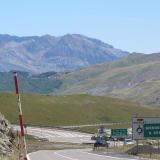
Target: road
[[73, 155], [94, 125], [57, 135]]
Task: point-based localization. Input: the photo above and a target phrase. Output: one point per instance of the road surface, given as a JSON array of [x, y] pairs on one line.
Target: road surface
[[72, 155], [57, 135], [94, 125]]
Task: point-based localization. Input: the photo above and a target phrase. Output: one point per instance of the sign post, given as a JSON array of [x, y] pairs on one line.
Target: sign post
[[23, 148], [146, 128]]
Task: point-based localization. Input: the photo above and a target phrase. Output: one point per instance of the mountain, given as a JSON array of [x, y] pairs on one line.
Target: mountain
[[46, 53], [136, 77]]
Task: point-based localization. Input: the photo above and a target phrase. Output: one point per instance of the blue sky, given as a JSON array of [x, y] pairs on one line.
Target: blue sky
[[132, 25]]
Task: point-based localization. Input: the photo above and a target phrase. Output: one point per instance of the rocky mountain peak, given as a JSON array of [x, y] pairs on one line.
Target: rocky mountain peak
[[46, 53]]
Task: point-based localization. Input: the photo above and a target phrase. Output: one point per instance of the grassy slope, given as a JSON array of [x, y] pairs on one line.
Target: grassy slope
[[68, 110], [136, 78]]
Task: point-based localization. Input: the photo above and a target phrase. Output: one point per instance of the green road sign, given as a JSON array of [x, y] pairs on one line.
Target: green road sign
[[152, 130], [121, 132]]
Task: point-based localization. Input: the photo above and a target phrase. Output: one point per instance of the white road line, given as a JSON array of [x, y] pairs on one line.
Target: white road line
[[66, 157], [28, 157], [107, 156]]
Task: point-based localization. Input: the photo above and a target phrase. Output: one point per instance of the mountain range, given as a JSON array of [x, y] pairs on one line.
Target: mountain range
[[38, 54], [135, 77]]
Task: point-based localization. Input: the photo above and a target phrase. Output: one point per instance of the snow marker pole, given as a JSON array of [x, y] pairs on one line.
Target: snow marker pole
[[20, 116]]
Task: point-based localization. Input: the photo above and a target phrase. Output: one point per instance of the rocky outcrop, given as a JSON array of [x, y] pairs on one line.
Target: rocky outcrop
[[6, 136]]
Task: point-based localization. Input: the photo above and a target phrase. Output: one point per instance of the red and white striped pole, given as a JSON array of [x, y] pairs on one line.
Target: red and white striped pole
[[20, 116]]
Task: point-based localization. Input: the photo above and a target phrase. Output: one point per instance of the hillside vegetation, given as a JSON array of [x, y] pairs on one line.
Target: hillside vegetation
[[29, 83], [73, 109], [135, 78]]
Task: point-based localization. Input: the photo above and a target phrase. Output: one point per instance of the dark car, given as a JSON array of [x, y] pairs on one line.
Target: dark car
[[100, 143]]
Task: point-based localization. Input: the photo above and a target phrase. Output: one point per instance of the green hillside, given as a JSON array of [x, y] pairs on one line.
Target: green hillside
[[135, 78], [69, 110], [29, 83]]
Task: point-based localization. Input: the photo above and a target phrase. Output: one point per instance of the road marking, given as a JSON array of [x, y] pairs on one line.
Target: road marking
[[28, 157], [106, 156], [60, 155]]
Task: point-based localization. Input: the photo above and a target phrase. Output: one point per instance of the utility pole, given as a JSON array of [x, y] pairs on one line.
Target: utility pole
[[23, 140]]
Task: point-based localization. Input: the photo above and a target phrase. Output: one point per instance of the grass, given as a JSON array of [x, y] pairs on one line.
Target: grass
[[72, 109]]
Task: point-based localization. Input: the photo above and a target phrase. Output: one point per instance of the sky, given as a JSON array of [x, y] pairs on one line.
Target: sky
[[130, 25]]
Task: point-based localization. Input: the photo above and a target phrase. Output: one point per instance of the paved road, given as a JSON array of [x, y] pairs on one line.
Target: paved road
[[72, 155], [57, 135], [94, 125]]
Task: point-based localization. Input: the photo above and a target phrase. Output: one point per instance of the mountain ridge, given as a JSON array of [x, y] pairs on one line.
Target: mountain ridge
[[38, 54]]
